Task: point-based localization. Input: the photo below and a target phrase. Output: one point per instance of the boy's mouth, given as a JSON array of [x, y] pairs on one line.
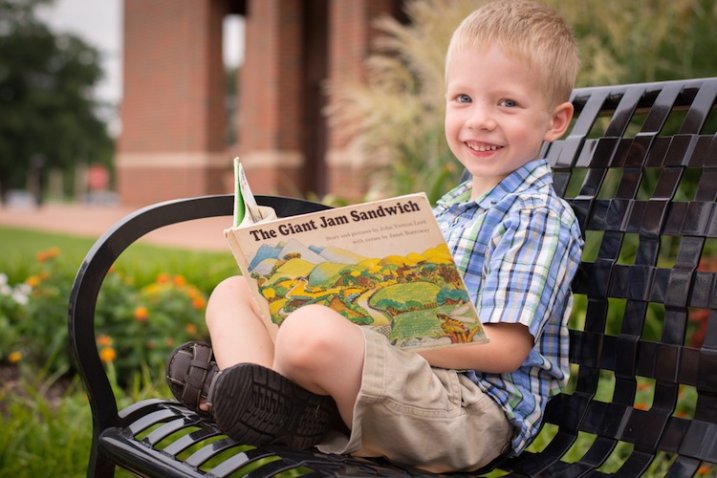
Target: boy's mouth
[[482, 147]]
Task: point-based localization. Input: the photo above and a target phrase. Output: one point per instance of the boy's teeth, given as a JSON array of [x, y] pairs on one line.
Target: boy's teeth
[[482, 148]]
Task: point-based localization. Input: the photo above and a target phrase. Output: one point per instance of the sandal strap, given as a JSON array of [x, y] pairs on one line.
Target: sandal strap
[[199, 376]]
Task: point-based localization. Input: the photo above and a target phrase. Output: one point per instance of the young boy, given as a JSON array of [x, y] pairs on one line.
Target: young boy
[[510, 68]]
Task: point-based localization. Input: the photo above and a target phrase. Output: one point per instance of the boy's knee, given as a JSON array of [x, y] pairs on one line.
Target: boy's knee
[[228, 290], [307, 327], [308, 337], [230, 285]]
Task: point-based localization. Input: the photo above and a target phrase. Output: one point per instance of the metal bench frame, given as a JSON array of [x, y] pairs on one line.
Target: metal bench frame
[[652, 132]]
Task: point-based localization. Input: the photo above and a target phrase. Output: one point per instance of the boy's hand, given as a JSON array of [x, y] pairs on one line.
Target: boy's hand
[[508, 348]]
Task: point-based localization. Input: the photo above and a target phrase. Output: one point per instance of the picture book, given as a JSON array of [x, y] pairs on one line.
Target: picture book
[[381, 264]]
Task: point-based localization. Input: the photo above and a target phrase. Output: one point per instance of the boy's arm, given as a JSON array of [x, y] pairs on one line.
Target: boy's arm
[[508, 348]]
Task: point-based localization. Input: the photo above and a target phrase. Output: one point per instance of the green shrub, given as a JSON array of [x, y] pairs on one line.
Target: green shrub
[[148, 305], [37, 321], [13, 309], [139, 327]]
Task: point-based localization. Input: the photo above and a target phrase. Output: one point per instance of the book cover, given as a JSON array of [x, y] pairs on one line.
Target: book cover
[[381, 264]]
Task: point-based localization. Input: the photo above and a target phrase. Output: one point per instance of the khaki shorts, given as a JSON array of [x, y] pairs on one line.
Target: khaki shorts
[[414, 414]]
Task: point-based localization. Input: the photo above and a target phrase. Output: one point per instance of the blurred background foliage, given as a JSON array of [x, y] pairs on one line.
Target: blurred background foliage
[[397, 114], [49, 119]]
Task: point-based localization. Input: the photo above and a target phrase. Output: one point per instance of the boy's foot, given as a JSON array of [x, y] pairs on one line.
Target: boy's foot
[[191, 371], [250, 403], [256, 405]]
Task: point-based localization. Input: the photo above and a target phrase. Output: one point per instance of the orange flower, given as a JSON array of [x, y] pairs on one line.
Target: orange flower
[[141, 313], [703, 470], [47, 254], [198, 303], [180, 281], [169, 342], [104, 340], [33, 281], [15, 356], [641, 406], [163, 278], [108, 354], [191, 329]]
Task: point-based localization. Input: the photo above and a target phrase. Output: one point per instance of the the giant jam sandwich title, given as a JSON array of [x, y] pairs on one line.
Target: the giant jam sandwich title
[[326, 221]]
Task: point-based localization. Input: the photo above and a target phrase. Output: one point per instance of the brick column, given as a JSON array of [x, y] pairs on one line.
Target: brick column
[[349, 44], [270, 96], [173, 106]]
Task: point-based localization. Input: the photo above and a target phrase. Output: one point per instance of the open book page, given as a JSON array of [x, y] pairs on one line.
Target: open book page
[[246, 210], [382, 264]]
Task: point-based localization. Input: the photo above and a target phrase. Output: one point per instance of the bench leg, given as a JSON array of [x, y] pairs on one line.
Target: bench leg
[[99, 466]]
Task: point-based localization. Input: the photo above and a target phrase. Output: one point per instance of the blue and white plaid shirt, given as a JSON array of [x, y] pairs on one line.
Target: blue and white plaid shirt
[[518, 247]]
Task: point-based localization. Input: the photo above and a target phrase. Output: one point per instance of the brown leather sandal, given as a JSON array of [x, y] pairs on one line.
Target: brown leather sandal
[[191, 371]]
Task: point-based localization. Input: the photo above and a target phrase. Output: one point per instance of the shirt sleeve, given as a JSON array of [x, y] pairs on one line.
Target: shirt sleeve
[[525, 273]]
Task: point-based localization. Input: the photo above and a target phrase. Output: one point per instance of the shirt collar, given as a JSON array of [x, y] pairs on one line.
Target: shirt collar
[[533, 174]]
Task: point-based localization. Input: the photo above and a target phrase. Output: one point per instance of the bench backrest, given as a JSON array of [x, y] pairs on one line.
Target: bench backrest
[[639, 167]]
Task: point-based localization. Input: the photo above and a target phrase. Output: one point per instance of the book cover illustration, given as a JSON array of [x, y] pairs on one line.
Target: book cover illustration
[[382, 264]]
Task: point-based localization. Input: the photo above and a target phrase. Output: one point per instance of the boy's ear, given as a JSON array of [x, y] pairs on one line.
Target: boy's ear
[[560, 120]]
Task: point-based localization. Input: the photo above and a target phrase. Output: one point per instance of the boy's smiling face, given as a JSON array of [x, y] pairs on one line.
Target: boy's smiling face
[[497, 114]]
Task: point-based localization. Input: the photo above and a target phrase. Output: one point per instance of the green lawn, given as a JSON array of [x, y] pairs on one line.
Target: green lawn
[[144, 261]]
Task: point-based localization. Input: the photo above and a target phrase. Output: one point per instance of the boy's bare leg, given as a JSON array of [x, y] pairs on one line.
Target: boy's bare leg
[[237, 332], [323, 352], [316, 347]]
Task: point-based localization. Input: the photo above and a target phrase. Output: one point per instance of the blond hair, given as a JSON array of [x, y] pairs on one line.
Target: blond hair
[[530, 31]]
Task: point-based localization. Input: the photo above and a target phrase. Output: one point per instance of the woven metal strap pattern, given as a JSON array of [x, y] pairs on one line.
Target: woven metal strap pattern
[[639, 167]]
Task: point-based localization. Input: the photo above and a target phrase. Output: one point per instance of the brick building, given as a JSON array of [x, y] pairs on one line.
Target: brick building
[[173, 141]]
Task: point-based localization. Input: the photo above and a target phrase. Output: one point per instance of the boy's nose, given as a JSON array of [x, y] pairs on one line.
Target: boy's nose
[[481, 119]]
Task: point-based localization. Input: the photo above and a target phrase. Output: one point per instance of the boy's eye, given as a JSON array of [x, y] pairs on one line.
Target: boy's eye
[[508, 103], [463, 98]]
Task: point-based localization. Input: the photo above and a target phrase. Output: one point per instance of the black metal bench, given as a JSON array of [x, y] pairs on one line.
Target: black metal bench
[[639, 167]]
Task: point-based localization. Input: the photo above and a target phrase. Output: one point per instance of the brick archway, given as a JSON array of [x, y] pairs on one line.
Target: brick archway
[[173, 115]]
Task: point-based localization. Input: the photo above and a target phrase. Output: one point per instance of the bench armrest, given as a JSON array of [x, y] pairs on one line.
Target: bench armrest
[[99, 260]]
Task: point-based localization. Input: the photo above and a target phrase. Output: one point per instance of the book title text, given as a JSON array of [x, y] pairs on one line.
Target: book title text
[[323, 222]]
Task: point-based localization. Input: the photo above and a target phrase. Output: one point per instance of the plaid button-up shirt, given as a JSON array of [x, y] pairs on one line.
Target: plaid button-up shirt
[[518, 247]]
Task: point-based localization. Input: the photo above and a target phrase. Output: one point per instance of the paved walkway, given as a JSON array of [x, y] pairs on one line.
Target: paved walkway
[[93, 221]]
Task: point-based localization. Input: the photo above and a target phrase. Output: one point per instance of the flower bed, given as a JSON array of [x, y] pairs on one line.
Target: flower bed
[[138, 322]]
